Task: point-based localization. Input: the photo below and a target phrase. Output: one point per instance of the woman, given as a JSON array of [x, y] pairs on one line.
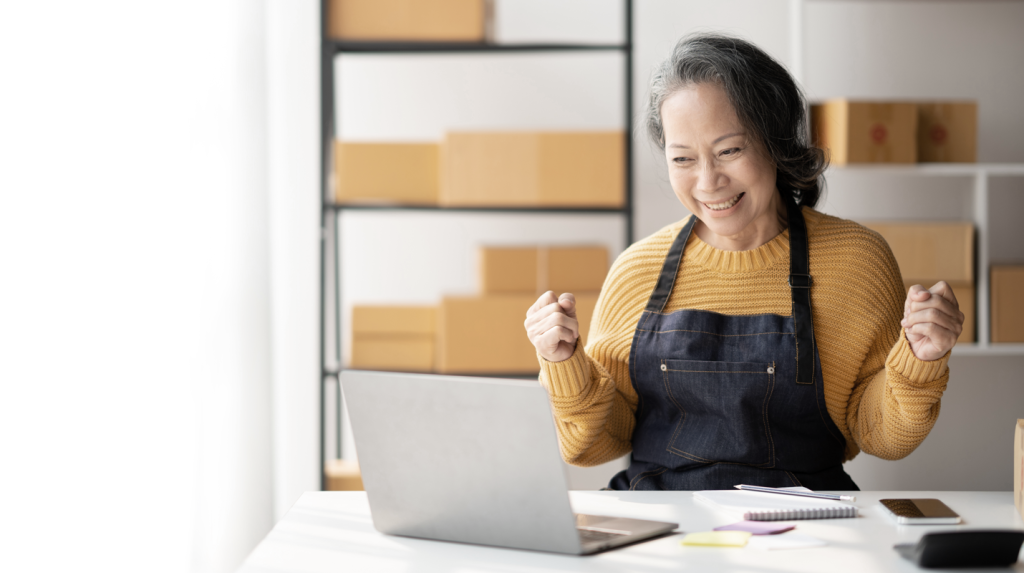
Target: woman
[[757, 341]]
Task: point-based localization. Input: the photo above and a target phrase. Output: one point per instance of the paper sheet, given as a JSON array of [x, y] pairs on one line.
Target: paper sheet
[[758, 527], [791, 540]]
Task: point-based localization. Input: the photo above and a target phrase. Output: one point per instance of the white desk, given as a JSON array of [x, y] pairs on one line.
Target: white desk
[[332, 532]]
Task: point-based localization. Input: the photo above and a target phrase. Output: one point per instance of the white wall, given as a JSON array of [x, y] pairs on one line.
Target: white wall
[[293, 133], [134, 321]]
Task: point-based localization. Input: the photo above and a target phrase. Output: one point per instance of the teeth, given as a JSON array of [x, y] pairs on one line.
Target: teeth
[[725, 205]]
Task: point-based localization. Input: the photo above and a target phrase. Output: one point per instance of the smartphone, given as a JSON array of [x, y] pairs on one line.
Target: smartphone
[[920, 511]]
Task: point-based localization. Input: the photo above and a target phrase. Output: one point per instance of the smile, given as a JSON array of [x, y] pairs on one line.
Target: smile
[[725, 204]]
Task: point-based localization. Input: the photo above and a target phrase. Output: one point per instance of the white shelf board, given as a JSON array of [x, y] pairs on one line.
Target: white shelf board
[[936, 169], [991, 349]]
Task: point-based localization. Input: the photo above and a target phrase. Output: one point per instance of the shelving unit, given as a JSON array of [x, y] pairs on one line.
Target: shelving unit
[[330, 216], [980, 173]]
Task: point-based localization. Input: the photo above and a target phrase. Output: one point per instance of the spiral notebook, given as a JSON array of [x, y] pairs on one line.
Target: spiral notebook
[[757, 506]]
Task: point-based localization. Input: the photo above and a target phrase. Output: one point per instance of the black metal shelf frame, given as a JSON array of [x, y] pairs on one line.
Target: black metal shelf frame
[[330, 260], [345, 47], [480, 209]]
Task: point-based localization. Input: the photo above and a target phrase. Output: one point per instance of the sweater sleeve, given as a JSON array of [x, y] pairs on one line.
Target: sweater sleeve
[[896, 398], [594, 418], [592, 397], [892, 411]]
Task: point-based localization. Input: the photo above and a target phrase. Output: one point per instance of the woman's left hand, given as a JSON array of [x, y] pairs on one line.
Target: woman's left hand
[[932, 320]]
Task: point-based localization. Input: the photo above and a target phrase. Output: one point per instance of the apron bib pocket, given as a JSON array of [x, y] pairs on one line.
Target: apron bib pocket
[[722, 410]]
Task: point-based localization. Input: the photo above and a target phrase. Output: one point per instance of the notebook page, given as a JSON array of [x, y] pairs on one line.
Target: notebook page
[[754, 502]]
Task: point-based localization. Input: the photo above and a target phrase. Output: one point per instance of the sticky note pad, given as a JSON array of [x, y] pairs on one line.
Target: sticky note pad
[[757, 527], [717, 538]]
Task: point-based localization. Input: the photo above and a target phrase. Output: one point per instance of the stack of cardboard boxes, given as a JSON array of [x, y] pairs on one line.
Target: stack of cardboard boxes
[[486, 169], [896, 132], [929, 252], [485, 333], [481, 334]]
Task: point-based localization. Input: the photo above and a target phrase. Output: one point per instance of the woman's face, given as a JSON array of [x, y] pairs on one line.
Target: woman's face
[[717, 171]]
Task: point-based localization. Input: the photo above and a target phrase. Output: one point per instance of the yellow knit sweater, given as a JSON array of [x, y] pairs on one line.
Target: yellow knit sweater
[[883, 399]]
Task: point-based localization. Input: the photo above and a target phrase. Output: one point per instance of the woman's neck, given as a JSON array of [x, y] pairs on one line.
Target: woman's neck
[[757, 233]]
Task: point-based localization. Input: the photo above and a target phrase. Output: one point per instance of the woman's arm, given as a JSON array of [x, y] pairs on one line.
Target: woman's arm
[[594, 409], [895, 402], [591, 393]]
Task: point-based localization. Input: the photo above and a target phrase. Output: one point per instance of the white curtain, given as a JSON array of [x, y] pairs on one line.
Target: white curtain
[[136, 301]]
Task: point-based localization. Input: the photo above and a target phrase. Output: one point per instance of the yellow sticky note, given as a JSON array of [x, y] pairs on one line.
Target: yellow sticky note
[[717, 538]]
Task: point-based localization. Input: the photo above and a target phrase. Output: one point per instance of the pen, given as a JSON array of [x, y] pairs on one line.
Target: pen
[[797, 493]]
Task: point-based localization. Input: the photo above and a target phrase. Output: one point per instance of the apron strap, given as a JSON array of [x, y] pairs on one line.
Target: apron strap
[[800, 284], [670, 269]]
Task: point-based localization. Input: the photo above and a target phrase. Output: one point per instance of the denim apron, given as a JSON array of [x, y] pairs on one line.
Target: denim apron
[[725, 400]]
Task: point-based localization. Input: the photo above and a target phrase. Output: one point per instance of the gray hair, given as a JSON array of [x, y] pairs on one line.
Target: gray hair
[[767, 101]]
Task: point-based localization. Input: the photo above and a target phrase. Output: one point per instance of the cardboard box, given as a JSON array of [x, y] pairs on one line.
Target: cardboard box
[[1007, 305], [507, 270], [965, 297], [485, 335], [409, 320], [947, 132], [928, 252], [396, 353], [581, 169], [576, 269], [1018, 467], [394, 338], [407, 20], [537, 269], [865, 132], [386, 172], [343, 475]]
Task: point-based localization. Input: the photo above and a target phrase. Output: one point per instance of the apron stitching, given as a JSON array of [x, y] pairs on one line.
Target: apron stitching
[[797, 361], [813, 344], [679, 425], [767, 426], [709, 333], [720, 462], [641, 477], [717, 371], [793, 477], [696, 458], [822, 415]]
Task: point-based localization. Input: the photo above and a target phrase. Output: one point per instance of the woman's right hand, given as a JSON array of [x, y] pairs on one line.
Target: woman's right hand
[[552, 326]]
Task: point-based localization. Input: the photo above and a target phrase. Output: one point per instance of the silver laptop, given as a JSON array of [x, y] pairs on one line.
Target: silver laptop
[[472, 460]]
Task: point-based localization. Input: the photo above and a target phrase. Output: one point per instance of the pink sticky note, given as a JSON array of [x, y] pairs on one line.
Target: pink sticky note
[[757, 527]]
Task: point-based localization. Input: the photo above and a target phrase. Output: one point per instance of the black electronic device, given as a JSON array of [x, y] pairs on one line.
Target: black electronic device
[[920, 512], [983, 548]]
